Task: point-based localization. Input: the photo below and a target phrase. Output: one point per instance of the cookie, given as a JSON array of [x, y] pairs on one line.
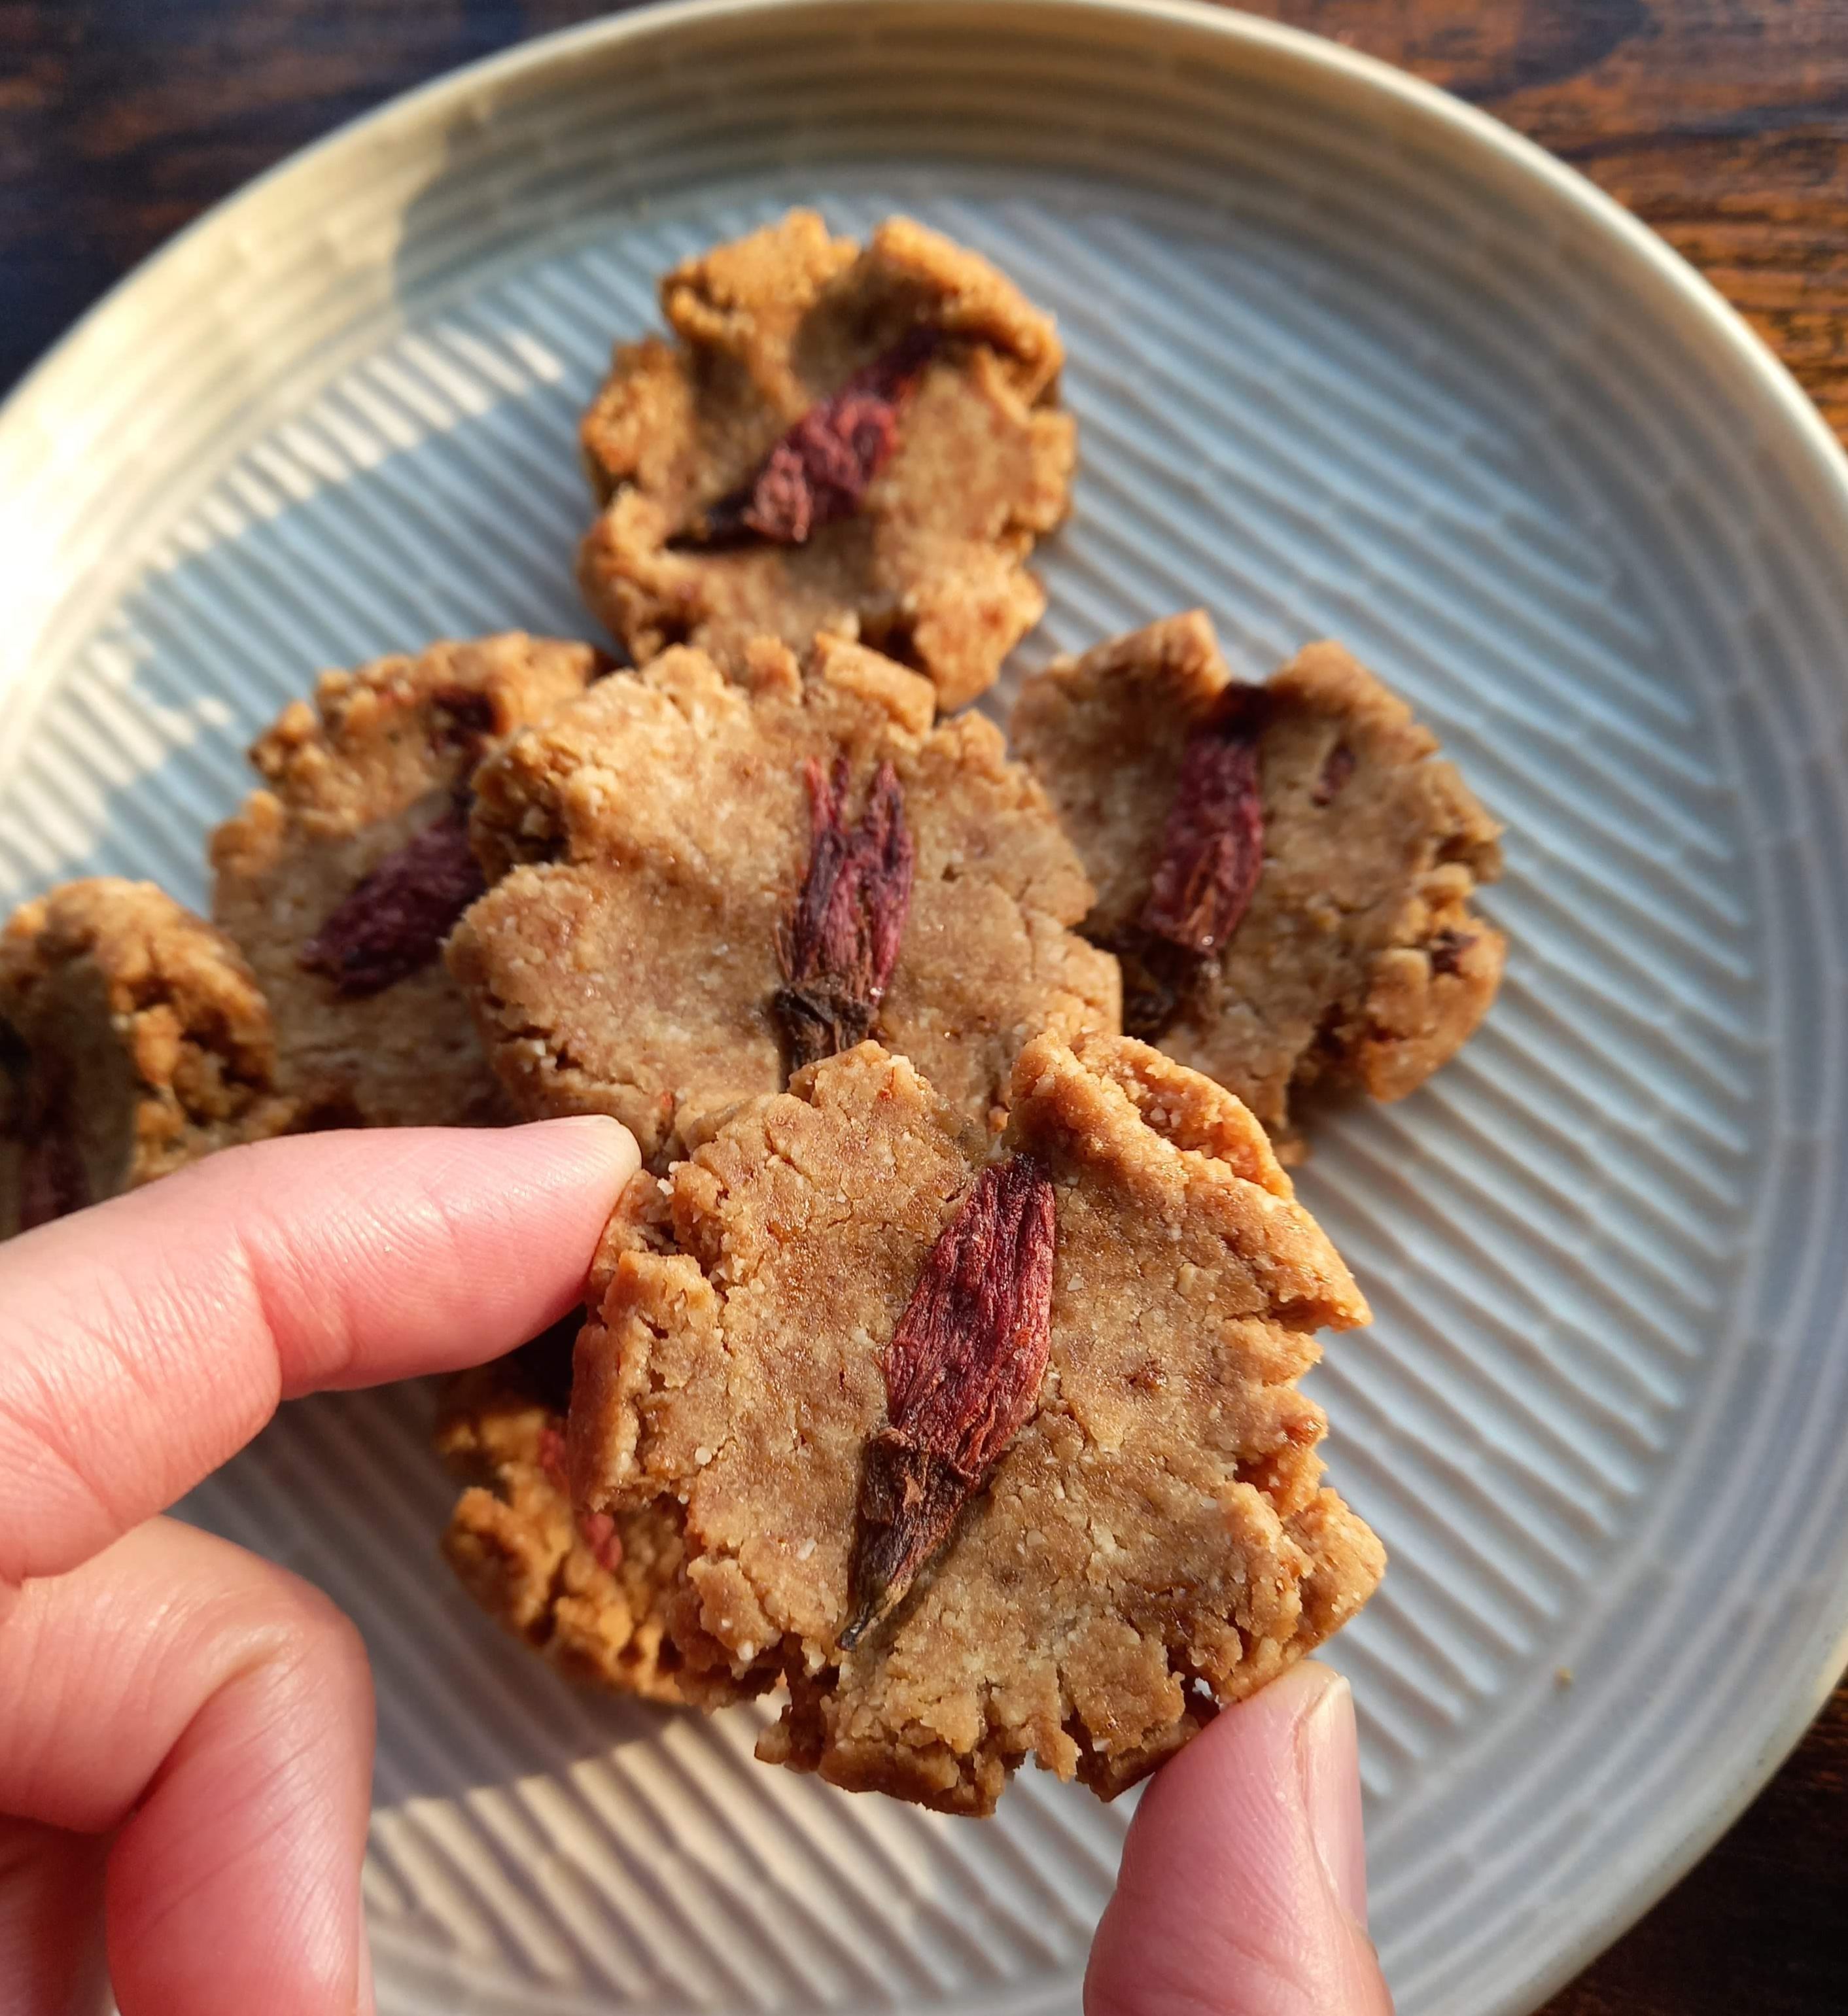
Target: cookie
[[1284, 870], [133, 1039], [592, 1596], [340, 880], [983, 1458], [700, 883], [863, 441]]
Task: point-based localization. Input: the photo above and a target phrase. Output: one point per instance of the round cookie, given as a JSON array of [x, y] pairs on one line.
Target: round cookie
[[1152, 1543], [1303, 833], [340, 880], [861, 441], [656, 850]]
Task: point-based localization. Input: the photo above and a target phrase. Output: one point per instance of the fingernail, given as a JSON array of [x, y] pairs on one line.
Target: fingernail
[[606, 1124], [613, 1139], [1328, 1760]]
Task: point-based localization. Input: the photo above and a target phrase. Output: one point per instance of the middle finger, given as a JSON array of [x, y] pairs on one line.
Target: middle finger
[[218, 1712]]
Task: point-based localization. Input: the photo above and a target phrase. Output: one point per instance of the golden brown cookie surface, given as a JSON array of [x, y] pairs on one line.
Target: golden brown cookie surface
[[592, 1596], [133, 1039], [652, 843], [1355, 959], [341, 879], [1154, 1540], [865, 442]]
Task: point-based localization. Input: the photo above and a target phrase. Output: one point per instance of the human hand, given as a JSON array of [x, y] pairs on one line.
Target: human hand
[[186, 1731], [1243, 1890]]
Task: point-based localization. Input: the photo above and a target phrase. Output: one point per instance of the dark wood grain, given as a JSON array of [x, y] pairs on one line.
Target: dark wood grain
[[1723, 123], [122, 119], [1760, 1928]]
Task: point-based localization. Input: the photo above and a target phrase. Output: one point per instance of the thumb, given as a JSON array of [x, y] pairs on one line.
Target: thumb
[[1243, 1890]]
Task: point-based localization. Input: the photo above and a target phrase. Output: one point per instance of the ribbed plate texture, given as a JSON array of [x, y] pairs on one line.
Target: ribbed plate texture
[[1342, 366]]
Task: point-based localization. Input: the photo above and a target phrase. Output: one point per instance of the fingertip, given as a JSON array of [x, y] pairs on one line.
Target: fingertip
[[431, 1248], [605, 1148], [590, 1126], [208, 1719], [557, 1176], [1242, 1752], [1243, 1879], [159, 1330], [1328, 1757]]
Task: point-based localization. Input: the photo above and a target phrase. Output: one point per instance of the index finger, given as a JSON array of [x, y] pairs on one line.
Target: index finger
[[143, 1342]]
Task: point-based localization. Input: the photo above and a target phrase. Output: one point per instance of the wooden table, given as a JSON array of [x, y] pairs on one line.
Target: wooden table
[[1723, 123]]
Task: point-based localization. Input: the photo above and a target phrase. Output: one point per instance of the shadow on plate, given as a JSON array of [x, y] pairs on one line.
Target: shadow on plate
[[345, 1490]]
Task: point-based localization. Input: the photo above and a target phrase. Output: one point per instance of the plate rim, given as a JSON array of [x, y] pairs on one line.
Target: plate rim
[[1429, 109]]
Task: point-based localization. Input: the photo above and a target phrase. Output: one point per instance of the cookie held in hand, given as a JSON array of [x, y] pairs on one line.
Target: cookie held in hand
[[982, 1453], [591, 1596]]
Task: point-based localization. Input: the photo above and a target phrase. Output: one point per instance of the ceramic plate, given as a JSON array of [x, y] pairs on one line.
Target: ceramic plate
[[1348, 359]]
